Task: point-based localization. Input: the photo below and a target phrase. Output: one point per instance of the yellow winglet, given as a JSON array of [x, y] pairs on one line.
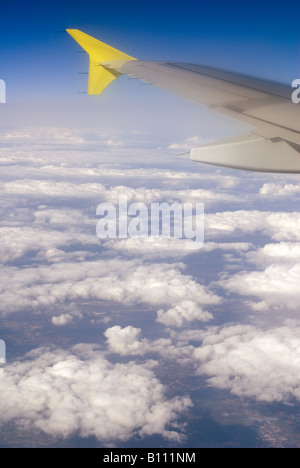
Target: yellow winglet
[[99, 53]]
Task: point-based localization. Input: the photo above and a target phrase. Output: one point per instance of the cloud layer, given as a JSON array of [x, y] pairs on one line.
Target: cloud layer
[[248, 361], [62, 393], [251, 362], [119, 281], [225, 316]]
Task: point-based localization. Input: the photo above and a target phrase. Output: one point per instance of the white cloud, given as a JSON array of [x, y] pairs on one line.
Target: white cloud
[[251, 362], [280, 226], [64, 319], [152, 247], [246, 360], [114, 142], [183, 312], [128, 282], [278, 191], [62, 218], [61, 320], [47, 135], [126, 341], [227, 246], [17, 241], [63, 393], [188, 144], [45, 188], [41, 189], [282, 252], [277, 286], [51, 183]]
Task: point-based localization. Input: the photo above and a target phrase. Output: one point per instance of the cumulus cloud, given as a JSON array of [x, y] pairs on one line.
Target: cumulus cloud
[[244, 359], [274, 284], [128, 341], [276, 287], [52, 182], [148, 176], [280, 226], [62, 218], [17, 241], [62, 393], [282, 252], [122, 281], [45, 189], [185, 311], [251, 362], [64, 319], [152, 247], [276, 190]]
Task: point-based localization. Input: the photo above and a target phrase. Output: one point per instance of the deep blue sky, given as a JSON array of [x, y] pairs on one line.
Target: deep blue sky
[[39, 64]]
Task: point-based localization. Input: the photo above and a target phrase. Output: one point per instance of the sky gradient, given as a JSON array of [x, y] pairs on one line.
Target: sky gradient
[[40, 65]]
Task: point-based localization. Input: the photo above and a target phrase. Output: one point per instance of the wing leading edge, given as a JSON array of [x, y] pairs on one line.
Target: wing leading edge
[[274, 143]]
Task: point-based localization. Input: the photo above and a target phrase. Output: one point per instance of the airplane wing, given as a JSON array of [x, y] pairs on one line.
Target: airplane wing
[[274, 143]]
